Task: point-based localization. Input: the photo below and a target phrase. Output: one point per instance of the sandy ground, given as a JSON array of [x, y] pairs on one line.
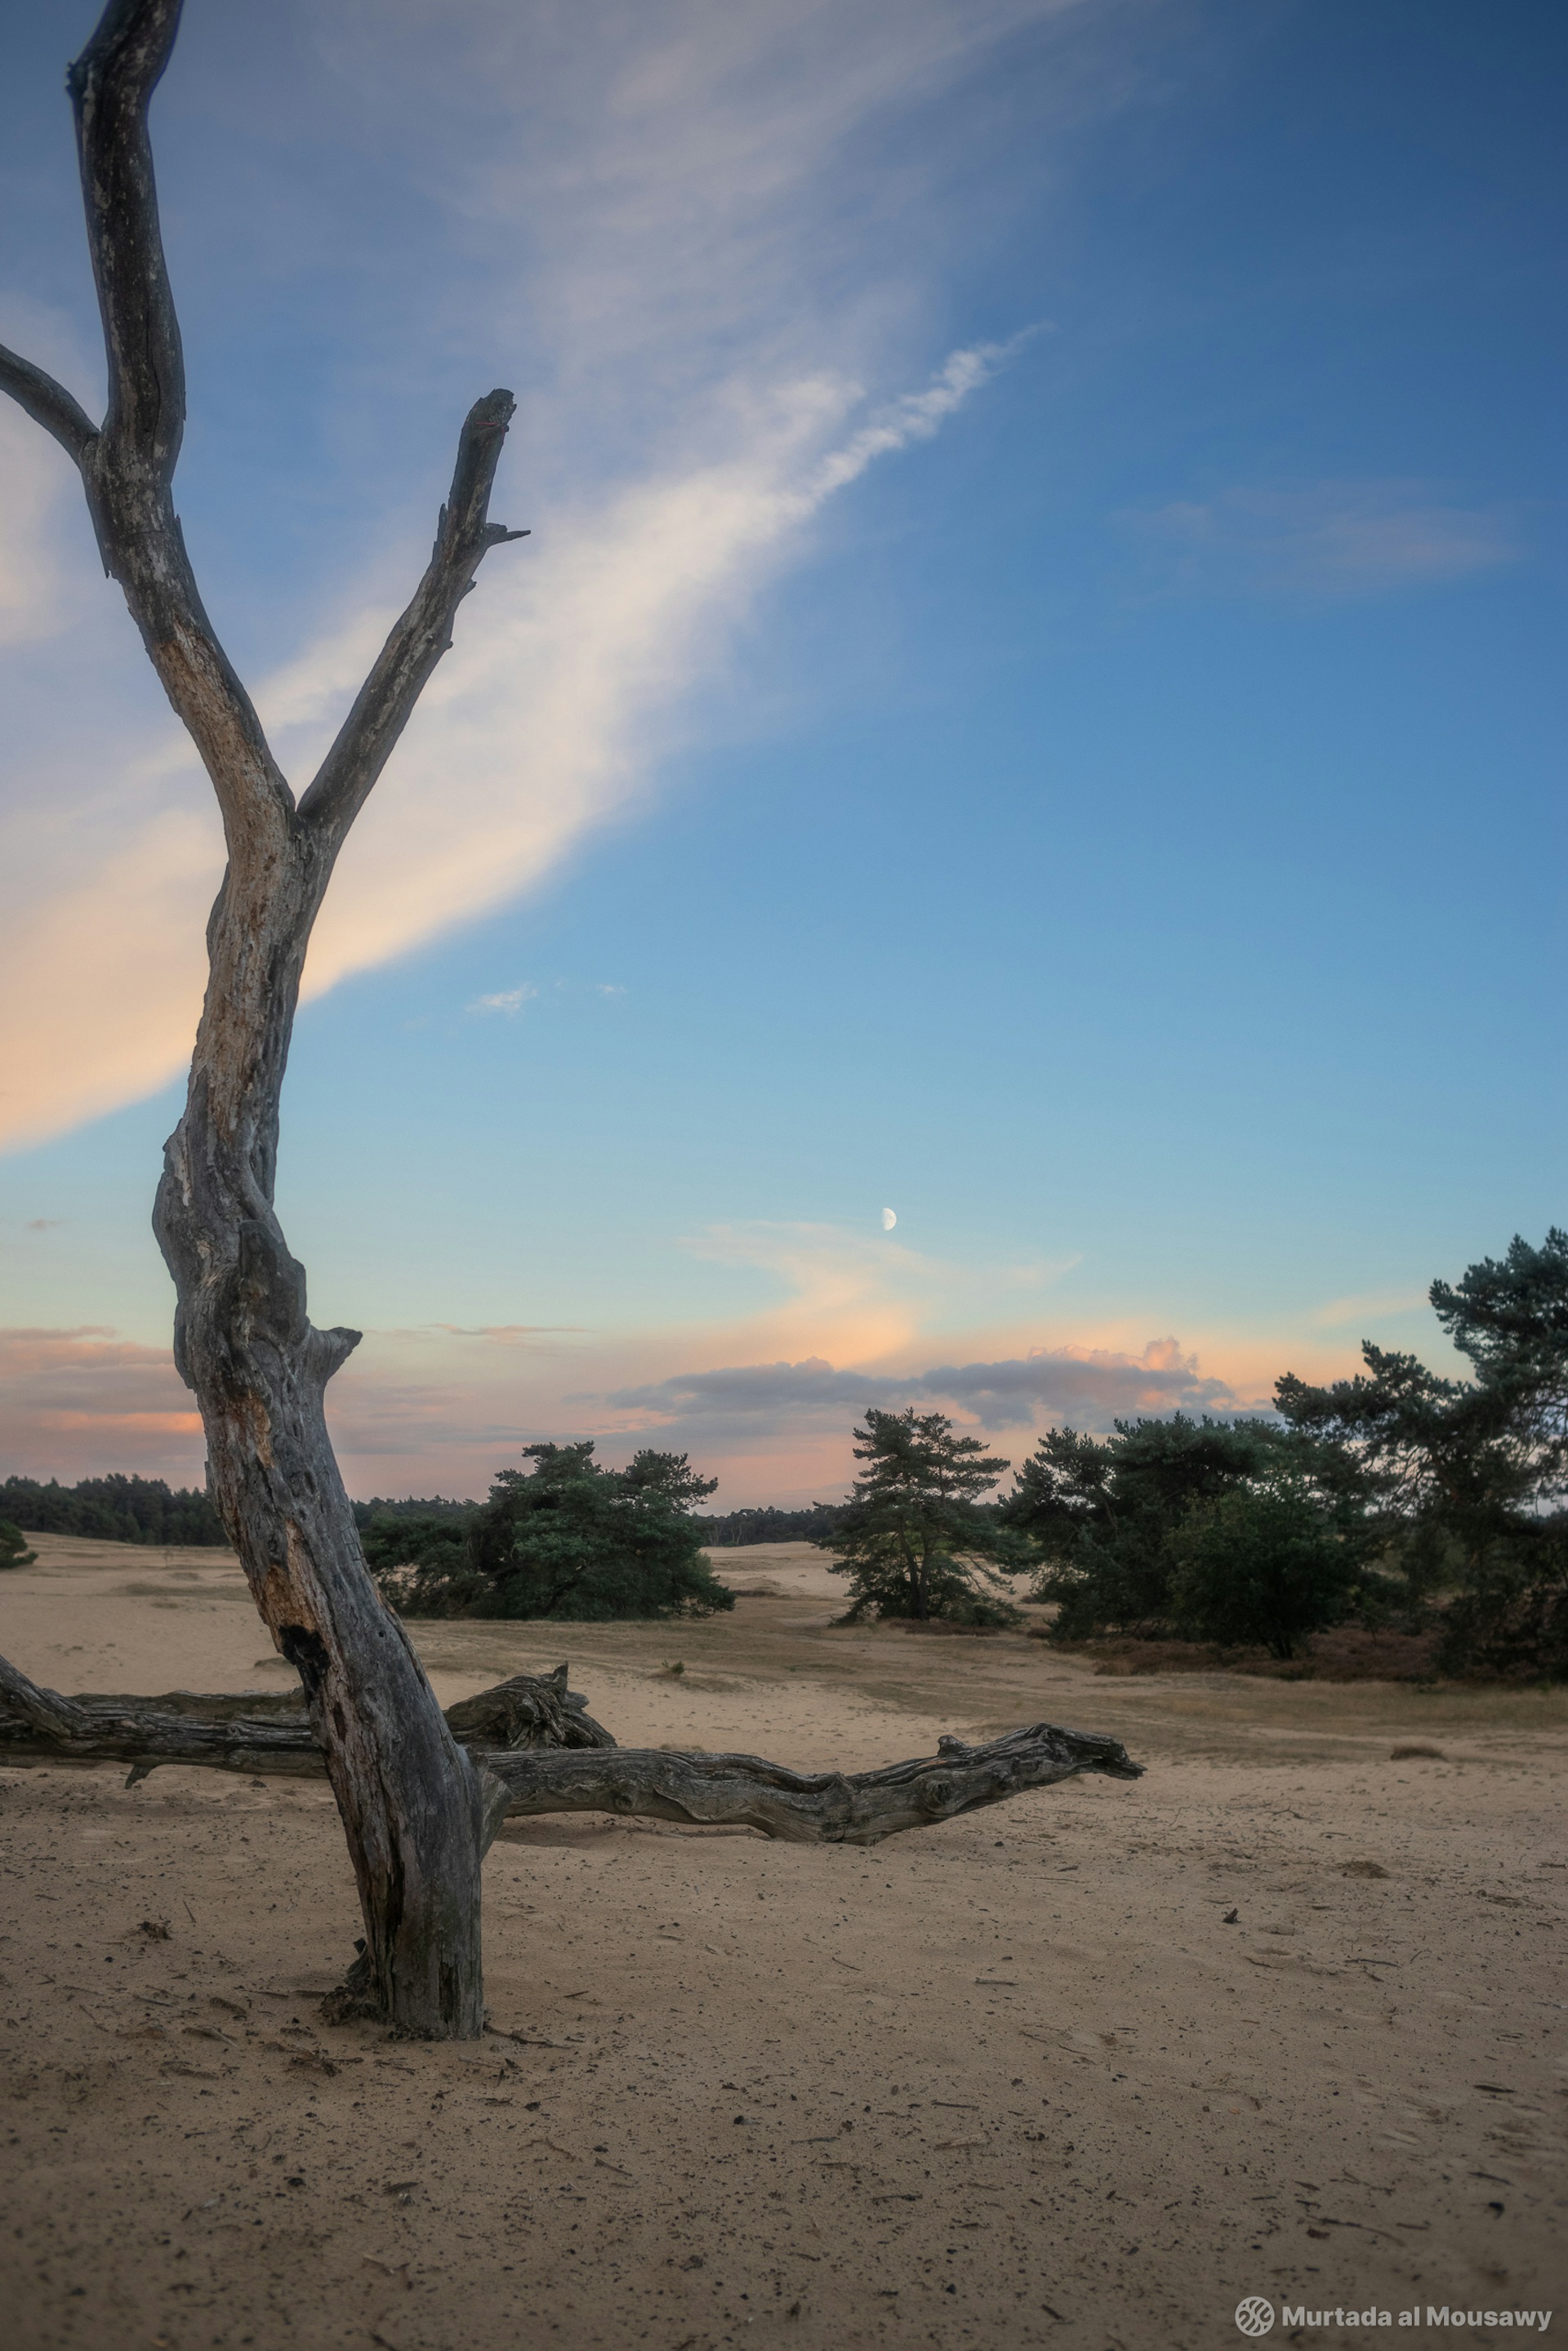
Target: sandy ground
[[1020, 2080]]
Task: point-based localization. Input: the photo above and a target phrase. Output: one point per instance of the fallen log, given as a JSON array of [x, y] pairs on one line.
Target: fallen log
[[260, 1731], [536, 1738], [807, 1807]]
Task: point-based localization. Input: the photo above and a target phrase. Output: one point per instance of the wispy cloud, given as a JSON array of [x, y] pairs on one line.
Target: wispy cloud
[[537, 725], [1330, 540], [655, 223], [510, 1000], [535, 731], [1369, 1306], [509, 1334], [34, 486], [40, 494]]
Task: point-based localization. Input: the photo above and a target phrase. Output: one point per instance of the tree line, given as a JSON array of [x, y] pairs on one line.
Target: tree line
[[115, 1509], [732, 1529], [1397, 1498]]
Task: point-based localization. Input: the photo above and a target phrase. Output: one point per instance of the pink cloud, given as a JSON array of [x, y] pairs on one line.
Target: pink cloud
[[77, 1402]]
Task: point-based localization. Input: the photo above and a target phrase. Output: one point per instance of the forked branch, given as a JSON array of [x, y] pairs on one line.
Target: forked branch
[[128, 469]]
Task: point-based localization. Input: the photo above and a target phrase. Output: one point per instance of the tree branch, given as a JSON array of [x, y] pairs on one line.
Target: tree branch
[[111, 86], [49, 404], [464, 536], [127, 470], [50, 1718], [532, 1736], [129, 466]]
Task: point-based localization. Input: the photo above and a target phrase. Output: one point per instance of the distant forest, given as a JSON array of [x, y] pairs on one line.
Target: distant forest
[[721, 1531], [118, 1509], [729, 1530], [115, 1509]]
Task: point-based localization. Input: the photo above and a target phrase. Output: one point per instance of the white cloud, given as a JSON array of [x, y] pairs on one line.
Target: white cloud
[[40, 490], [34, 485], [510, 1000], [102, 979], [537, 725]]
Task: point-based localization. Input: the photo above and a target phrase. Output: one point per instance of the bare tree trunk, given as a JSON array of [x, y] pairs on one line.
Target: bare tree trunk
[[417, 1814], [411, 1803]]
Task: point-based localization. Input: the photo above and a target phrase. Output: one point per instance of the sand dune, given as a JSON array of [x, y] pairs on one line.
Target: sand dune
[[1020, 2080]]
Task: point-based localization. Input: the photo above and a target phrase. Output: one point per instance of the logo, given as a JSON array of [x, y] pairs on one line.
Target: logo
[[1254, 2316]]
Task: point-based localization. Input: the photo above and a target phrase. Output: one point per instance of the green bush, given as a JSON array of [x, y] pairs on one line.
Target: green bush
[[1105, 1511], [14, 1551], [1263, 1566], [1511, 1620], [567, 1540], [421, 1560]]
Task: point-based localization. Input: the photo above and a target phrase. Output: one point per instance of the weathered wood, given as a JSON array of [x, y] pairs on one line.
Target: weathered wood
[[533, 1737], [416, 1813], [808, 1807], [262, 1731]]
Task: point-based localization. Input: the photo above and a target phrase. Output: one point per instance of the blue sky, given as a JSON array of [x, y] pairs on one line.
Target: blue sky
[[1033, 700]]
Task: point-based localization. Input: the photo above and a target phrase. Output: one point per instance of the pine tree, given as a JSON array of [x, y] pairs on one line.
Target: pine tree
[[915, 1540]]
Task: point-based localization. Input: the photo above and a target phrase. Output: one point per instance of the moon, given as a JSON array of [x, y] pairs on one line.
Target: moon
[[888, 1220]]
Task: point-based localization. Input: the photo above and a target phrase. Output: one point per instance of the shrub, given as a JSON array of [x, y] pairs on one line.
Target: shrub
[[1105, 1511], [419, 1560], [1264, 1565], [569, 1539], [14, 1551]]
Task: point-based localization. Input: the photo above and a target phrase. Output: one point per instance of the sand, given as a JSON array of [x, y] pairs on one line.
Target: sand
[[1022, 2079]]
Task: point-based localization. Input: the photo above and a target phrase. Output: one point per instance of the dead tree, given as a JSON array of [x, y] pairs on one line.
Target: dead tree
[[418, 1805], [535, 1737]]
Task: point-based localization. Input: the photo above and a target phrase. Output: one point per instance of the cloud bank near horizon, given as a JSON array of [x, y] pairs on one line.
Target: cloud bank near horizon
[[1089, 1387], [443, 1409]]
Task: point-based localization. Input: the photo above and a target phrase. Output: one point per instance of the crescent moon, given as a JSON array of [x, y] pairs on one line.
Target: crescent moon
[[888, 1220]]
